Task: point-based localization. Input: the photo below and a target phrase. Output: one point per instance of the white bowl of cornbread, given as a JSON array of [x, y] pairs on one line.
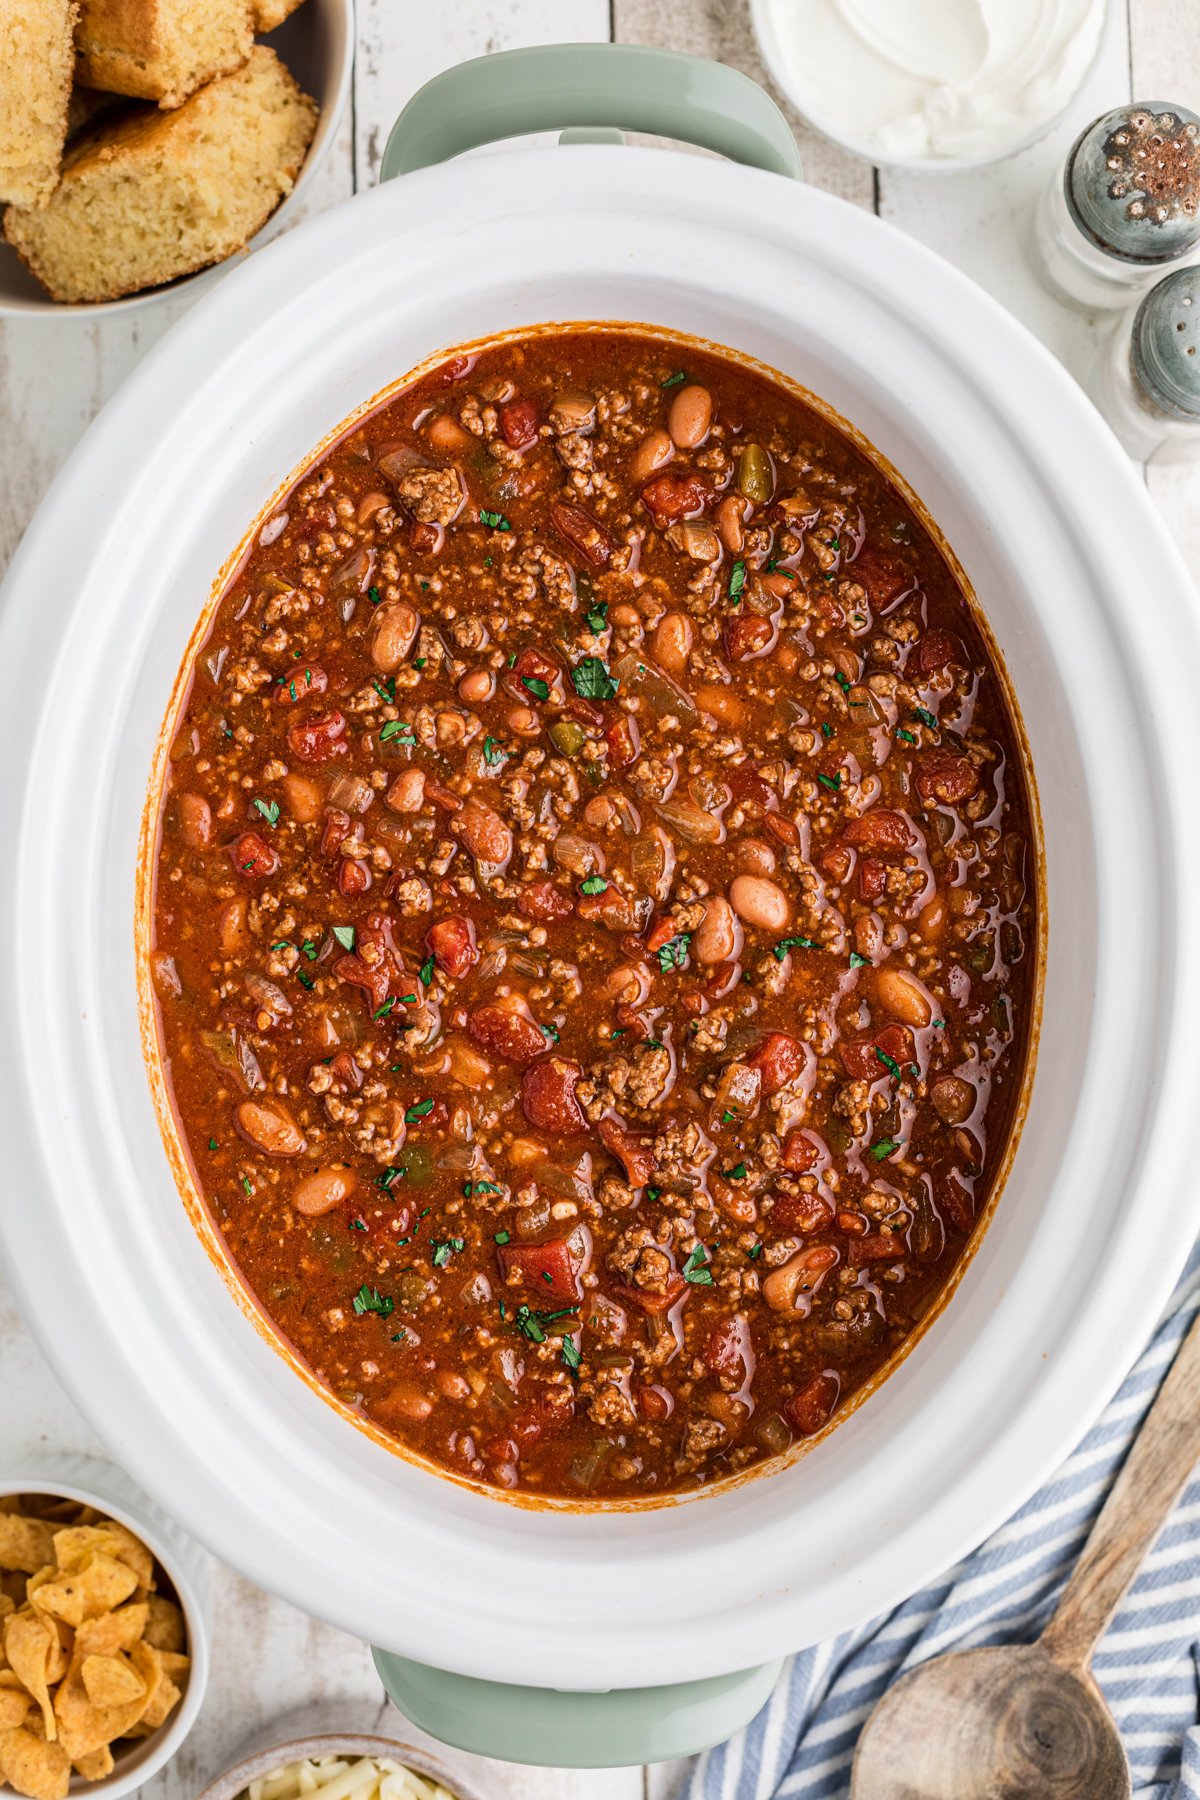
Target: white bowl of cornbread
[[145, 142]]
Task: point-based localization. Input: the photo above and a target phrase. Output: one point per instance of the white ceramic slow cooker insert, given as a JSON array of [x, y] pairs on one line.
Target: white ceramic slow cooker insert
[[1090, 608]]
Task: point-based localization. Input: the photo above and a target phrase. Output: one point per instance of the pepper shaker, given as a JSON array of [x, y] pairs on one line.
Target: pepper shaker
[[1126, 204], [1146, 380]]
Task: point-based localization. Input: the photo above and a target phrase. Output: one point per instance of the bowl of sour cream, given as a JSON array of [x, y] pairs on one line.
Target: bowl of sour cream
[[930, 84]]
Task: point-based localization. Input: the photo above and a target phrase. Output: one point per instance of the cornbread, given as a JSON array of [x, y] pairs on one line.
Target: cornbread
[[160, 194], [270, 13], [160, 49], [35, 90]]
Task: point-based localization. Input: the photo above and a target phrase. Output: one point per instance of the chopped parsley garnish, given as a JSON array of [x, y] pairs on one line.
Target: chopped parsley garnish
[[781, 949], [247, 1184], [675, 379], [889, 1062], [426, 971], [595, 884], [501, 1237], [374, 596], [269, 810], [570, 1354], [358, 1225], [397, 728], [883, 1148], [310, 950], [386, 689], [591, 680], [386, 1008], [283, 944], [737, 1173], [728, 1117], [696, 1269], [305, 980], [832, 782], [421, 660], [387, 1177], [345, 936], [673, 954], [774, 566], [370, 1300], [905, 737], [492, 751], [926, 718], [842, 681], [939, 1024], [597, 617], [398, 1337], [754, 1252], [418, 1111], [826, 728], [551, 1032], [859, 962], [444, 1249], [534, 1323], [537, 687], [493, 520], [653, 1193], [479, 1187], [737, 581]]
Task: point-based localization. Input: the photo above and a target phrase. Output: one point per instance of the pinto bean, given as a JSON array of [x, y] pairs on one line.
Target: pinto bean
[[953, 1099], [523, 720], [447, 436], [799, 1275], [673, 638], [652, 454], [407, 1402], [304, 797], [269, 1129], [718, 936], [754, 857], [904, 997], [760, 902], [369, 505], [476, 686], [393, 636], [407, 792], [484, 832], [321, 1191], [730, 518], [690, 416]]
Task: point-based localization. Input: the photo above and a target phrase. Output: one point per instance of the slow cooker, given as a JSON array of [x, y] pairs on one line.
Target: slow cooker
[[556, 1634]]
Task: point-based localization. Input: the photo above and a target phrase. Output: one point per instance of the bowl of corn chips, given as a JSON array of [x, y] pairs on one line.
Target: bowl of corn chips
[[103, 1637]]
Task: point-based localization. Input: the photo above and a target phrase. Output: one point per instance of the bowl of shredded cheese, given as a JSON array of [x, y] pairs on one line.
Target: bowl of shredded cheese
[[328, 1765]]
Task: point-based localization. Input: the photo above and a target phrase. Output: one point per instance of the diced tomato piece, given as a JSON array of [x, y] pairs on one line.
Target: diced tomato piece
[[506, 1034], [632, 1149], [811, 1407], [747, 785], [543, 900], [747, 634], [863, 1057], [300, 684], [944, 776], [652, 1304], [548, 1095], [546, 1271], [375, 965], [616, 911], [879, 1246], [581, 532], [624, 742], [834, 862], [778, 1059], [334, 830], [937, 650], [727, 1352], [345, 1072], [425, 536], [354, 877], [453, 369], [452, 942], [654, 1403], [872, 879], [443, 796], [882, 576], [253, 857], [483, 831], [880, 829], [801, 1152], [669, 498], [534, 665], [661, 932], [318, 740], [519, 423], [800, 1212], [956, 1199]]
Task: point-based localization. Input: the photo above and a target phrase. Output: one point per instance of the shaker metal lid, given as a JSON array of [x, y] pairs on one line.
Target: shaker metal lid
[[1165, 347], [1132, 182]]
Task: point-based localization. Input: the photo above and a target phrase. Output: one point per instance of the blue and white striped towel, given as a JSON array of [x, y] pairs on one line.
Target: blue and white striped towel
[[800, 1746]]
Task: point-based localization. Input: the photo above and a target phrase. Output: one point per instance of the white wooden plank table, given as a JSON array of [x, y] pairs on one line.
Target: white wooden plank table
[[55, 375]]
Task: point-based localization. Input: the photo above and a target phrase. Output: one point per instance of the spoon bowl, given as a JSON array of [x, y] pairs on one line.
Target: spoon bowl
[[1000, 1724]]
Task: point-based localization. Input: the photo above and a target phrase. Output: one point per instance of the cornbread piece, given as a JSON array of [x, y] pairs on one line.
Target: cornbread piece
[[160, 49], [270, 13], [35, 89], [89, 106], [161, 194]]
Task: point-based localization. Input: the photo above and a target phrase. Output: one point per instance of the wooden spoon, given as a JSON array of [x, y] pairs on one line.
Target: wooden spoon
[[1027, 1722]]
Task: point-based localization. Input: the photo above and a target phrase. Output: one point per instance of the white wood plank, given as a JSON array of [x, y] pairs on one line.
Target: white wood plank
[[667, 1780], [723, 32], [403, 43]]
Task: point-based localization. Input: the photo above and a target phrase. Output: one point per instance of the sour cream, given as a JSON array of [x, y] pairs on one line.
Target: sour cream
[[930, 79]]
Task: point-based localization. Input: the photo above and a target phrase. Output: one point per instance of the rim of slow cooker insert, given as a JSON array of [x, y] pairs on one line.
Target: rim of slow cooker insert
[[175, 1144], [193, 1450]]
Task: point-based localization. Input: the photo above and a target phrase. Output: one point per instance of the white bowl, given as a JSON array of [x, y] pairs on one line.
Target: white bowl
[[1083, 591], [327, 1731], [95, 1483], [317, 44], [763, 14]]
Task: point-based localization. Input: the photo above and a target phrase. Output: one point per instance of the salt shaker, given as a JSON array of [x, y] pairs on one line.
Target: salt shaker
[[1146, 379], [1125, 206]]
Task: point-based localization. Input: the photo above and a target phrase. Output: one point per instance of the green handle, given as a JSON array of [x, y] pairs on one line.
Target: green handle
[[590, 86], [562, 1730]]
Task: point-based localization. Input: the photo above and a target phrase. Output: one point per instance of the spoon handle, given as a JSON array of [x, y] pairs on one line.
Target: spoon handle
[[1160, 1461]]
